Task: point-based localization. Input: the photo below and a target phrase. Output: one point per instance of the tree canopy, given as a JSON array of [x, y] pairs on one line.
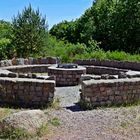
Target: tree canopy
[[30, 30], [114, 23], [6, 47]]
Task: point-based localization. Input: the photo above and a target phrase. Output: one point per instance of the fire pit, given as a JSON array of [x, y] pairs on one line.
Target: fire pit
[[67, 66], [67, 74]]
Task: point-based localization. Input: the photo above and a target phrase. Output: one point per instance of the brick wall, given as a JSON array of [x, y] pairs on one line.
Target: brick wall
[[110, 63], [103, 70], [29, 61], [109, 92], [67, 77], [28, 68], [26, 92]]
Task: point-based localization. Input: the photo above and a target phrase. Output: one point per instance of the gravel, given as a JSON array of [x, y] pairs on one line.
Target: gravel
[[68, 96], [121, 123]]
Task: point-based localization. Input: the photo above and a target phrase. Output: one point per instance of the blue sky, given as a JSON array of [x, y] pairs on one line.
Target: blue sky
[[55, 10]]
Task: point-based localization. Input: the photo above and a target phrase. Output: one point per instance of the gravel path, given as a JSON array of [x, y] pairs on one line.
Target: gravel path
[[68, 97], [100, 124]]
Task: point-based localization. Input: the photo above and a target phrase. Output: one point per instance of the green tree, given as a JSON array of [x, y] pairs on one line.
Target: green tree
[[113, 23], [6, 47], [64, 31], [125, 22], [5, 29], [30, 31]]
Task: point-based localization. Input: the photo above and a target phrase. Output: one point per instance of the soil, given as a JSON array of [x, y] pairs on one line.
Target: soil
[[122, 123]]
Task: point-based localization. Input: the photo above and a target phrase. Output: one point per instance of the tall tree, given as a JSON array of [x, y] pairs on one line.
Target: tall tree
[[64, 31], [114, 23], [6, 47], [30, 30]]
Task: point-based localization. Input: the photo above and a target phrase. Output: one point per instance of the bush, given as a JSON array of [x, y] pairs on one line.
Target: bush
[[66, 51], [6, 49]]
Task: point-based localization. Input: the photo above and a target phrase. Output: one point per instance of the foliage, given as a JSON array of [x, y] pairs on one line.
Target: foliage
[[69, 52], [4, 112], [66, 51], [64, 31], [5, 29], [43, 130], [6, 48], [114, 23], [14, 133], [109, 29], [55, 104], [30, 31], [55, 121]]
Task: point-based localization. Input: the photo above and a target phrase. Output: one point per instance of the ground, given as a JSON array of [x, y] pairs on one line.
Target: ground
[[72, 123], [116, 123]]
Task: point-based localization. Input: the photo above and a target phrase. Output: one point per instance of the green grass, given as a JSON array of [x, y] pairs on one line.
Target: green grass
[[14, 134], [102, 55], [43, 130], [69, 52], [55, 104], [55, 121], [4, 112]]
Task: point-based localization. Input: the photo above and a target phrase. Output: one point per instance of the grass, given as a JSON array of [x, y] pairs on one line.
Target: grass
[[44, 130], [41, 74], [88, 106], [55, 104], [85, 105], [14, 134], [4, 112], [68, 52], [55, 121], [115, 55]]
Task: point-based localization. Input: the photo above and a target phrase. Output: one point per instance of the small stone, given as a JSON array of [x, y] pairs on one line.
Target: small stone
[[12, 75], [105, 76], [14, 61], [122, 75]]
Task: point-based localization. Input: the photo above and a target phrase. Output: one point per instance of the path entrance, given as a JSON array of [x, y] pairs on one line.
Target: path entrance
[[69, 97]]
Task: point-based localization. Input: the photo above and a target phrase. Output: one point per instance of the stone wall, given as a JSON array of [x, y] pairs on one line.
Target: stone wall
[[28, 68], [29, 61], [110, 63], [103, 70], [66, 77], [23, 92], [110, 92]]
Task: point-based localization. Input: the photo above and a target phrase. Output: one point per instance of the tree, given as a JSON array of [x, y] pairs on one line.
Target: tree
[[64, 31], [5, 29], [126, 26], [6, 47], [30, 30], [113, 23]]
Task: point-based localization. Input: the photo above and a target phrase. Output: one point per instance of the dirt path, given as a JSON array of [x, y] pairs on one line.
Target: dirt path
[[100, 124]]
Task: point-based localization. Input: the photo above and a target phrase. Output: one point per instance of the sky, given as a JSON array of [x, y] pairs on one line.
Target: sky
[[54, 10]]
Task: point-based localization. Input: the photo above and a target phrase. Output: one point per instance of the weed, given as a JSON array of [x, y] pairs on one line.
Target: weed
[[55, 121], [43, 130], [4, 112], [14, 133], [125, 124], [85, 105], [55, 104]]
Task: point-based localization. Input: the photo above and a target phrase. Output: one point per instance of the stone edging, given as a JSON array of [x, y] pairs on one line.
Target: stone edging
[[110, 63]]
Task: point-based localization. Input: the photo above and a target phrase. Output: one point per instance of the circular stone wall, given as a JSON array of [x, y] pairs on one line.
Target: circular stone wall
[[67, 77]]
